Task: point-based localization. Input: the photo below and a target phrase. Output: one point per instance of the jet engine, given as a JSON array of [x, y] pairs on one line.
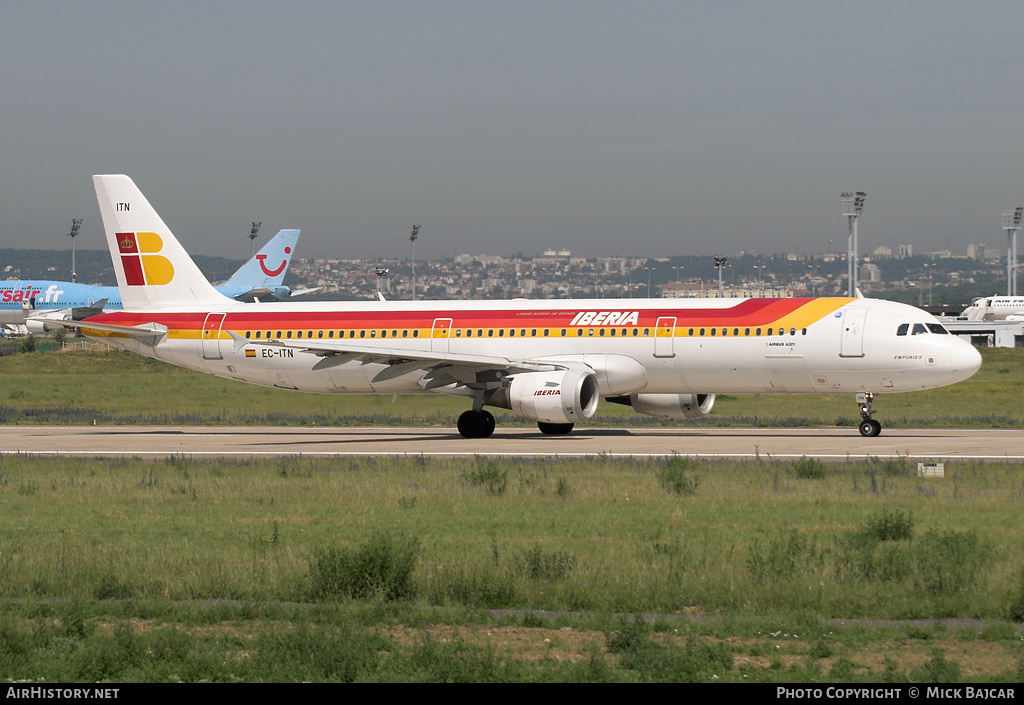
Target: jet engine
[[560, 396], [41, 327], [669, 406]]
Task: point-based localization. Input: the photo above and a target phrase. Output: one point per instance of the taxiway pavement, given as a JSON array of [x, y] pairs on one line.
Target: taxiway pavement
[[822, 443]]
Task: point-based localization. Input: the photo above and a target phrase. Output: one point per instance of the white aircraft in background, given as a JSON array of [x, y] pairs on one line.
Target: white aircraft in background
[[547, 361], [995, 308]]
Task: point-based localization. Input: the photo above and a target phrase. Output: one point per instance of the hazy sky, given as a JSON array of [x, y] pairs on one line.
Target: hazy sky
[[609, 128]]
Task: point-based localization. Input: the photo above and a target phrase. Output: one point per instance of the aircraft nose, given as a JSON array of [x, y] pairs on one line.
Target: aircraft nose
[[965, 359]]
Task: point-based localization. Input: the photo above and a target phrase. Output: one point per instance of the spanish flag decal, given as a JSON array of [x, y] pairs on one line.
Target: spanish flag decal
[[250, 353], [140, 262]]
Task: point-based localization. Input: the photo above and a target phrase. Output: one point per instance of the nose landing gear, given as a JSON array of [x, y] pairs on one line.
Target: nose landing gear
[[869, 428]]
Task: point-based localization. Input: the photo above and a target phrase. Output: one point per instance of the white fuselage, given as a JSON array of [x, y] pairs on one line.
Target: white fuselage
[[657, 346]]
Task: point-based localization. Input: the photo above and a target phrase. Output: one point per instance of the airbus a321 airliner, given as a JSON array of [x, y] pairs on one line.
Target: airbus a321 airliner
[[546, 361]]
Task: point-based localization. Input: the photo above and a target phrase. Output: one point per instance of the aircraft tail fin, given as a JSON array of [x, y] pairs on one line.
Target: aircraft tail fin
[[153, 269], [268, 267]]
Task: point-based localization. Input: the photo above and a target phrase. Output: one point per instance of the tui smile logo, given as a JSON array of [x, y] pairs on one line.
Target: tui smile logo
[[140, 261], [262, 259]]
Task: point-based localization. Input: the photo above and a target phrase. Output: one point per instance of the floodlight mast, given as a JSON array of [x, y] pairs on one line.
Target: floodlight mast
[[720, 261], [1011, 224], [76, 223], [412, 238], [853, 206], [252, 237]]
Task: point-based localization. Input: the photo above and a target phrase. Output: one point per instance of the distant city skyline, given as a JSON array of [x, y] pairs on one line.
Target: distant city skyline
[[606, 127]]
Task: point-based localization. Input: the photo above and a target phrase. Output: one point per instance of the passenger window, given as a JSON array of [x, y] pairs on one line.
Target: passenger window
[[902, 330]]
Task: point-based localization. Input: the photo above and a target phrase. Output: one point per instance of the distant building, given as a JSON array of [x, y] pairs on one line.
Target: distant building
[[906, 251], [882, 252]]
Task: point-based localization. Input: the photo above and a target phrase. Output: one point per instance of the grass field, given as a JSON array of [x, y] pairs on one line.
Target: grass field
[[430, 569], [748, 562], [118, 387]]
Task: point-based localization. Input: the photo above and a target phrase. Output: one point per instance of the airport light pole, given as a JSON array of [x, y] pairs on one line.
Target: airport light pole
[[760, 289], [853, 206], [252, 238], [720, 261], [382, 272], [1011, 224], [76, 223], [412, 238]]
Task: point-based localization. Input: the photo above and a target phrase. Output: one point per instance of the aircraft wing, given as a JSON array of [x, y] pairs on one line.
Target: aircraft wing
[[440, 368]]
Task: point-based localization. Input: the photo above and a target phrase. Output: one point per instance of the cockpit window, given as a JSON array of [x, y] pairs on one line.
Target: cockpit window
[[902, 330], [919, 329], [937, 328]]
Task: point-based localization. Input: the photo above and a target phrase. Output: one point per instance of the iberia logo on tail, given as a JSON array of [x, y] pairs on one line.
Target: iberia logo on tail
[[141, 265]]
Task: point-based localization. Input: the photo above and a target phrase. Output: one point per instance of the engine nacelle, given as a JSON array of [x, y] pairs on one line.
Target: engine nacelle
[[41, 327], [669, 406], [559, 396]]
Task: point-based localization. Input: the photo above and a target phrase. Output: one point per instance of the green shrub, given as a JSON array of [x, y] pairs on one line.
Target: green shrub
[[382, 567], [677, 476], [548, 566], [810, 468], [488, 475], [891, 526], [948, 562], [938, 670]]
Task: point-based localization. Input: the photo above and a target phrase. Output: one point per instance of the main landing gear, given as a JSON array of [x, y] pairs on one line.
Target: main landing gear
[[479, 423], [476, 423], [869, 428]]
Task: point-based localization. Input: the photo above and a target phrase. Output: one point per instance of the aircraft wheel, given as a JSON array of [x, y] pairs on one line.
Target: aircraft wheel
[[476, 424], [869, 428], [488, 419], [554, 429]]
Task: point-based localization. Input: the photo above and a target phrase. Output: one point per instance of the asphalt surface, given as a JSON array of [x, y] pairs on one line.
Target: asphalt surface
[[822, 443]]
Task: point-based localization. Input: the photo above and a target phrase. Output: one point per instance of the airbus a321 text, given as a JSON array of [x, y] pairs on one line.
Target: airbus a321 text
[[546, 361]]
